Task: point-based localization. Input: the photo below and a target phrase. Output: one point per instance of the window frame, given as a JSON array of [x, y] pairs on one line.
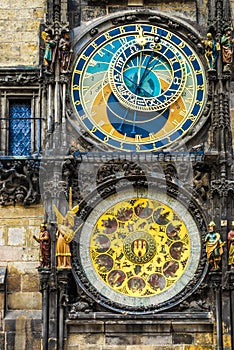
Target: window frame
[[36, 121]]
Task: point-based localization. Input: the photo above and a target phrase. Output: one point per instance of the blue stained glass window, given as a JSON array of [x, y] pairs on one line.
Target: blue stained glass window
[[20, 128]]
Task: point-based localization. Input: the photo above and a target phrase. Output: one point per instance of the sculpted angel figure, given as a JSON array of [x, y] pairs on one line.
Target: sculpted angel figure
[[64, 236]]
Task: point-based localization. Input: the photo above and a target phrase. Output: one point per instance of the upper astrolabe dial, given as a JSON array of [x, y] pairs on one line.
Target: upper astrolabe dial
[[138, 87], [147, 77]]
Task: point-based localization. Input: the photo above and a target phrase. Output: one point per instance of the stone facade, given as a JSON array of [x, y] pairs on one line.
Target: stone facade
[[21, 298], [19, 28], [112, 334], [36, 303]]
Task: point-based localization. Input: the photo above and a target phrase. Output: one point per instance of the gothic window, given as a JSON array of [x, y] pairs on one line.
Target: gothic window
[[20, 128], [20, 124]]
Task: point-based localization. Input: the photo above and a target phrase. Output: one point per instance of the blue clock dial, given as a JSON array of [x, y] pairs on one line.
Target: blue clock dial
[[149, 77], [138, 87], [130, 122]]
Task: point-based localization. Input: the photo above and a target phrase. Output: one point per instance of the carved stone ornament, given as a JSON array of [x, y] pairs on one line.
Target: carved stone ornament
[[19, 182], [19, 78], [222, 187], [201, 181], [80, 168]]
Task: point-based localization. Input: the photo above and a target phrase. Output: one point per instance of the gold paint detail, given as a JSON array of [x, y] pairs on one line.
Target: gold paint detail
[[140, 247]]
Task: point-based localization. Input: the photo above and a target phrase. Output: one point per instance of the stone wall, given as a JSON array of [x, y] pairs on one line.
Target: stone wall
[[19, 253], [186, 9], [20, 297], [161, 332], [19, 32]]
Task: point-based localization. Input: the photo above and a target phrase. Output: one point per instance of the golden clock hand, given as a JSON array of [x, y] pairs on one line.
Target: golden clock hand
[[139, 70], [156, 41], [141, 40]]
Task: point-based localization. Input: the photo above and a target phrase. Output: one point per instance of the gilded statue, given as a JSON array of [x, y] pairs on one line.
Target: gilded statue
[[65, 234], [214, 246], [231, 247]]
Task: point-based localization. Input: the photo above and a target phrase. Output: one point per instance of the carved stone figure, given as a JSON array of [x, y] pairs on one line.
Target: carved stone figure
[[65, 52], [212, 49], [201, 183], [44, 240], [227, 48], [79, 306], [214, 246], [49, 47], [231, 247]]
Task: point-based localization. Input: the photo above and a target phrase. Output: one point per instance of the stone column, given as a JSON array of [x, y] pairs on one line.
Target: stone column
[[215, 281], [63, 277], [44, 281]]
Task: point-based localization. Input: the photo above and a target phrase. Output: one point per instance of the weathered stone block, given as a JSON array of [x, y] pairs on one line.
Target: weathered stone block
[[183, 327], [87, 327], [137, 327], [21, 335], [22, 267], [204, 338], [1, 321], [10, 254], [182, 339], [16, 236], [87, 347], [133, 339], [38, 13], [24, 301], [30, 283], [10, 340], [108, 347], [14, 283], [2, 236], [29, 4], [2, 341], [199, 347], [2, 301], [84, 339]]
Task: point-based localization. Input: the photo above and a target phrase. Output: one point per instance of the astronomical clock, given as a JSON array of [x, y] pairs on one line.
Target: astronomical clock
[[139, 251], [138, 87]]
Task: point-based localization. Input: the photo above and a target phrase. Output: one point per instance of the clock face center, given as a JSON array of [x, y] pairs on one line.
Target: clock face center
[[139, 247], [139, 76]]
